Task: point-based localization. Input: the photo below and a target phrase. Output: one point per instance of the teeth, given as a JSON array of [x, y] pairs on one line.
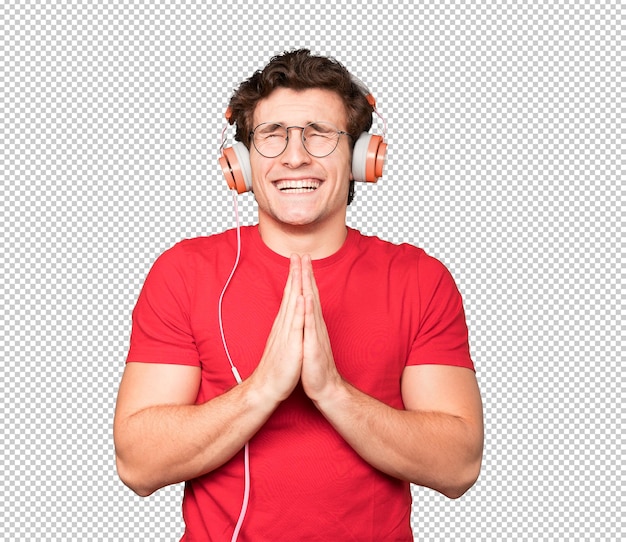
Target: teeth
[[298, 186], [297, 190]]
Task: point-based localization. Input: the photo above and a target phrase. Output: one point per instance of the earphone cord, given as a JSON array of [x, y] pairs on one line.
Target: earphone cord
[[384, 121], [219, 304], [246, 492], [224, 143]]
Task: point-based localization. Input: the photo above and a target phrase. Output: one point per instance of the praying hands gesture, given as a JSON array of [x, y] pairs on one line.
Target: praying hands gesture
[[298, 347]]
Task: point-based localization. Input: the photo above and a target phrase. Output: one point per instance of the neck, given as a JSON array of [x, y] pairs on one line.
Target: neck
[[285, 239]]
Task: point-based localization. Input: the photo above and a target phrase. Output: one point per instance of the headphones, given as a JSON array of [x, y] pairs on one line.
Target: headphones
[[368, 157]]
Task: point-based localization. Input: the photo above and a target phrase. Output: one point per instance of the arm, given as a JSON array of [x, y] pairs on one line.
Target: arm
[[162, 437], [436, 441]]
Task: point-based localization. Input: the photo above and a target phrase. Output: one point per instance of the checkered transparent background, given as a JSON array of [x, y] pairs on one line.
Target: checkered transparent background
[[506, 152]]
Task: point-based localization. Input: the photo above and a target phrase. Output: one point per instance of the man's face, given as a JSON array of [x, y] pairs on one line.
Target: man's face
[[277, 182]]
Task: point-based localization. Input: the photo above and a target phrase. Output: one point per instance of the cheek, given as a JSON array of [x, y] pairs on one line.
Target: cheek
[[345, 168], [258, 170]]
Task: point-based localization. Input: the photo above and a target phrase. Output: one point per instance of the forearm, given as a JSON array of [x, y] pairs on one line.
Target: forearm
[[167, 444], [432, 449]]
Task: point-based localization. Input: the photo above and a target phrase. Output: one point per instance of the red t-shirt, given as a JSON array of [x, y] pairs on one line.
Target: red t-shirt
[[386, 306]]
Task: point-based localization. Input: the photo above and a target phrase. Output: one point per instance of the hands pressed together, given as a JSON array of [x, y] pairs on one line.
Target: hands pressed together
[[298, 346]]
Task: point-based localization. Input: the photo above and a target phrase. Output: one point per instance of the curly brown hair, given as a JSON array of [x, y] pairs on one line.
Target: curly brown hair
[[300, 70]]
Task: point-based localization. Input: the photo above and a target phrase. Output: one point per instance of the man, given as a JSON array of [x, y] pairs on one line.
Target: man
[[351, 353]]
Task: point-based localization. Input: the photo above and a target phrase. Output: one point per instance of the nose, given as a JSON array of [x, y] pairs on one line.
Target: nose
[[295, 154]]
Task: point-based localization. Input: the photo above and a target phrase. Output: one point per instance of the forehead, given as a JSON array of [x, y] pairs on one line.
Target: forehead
[[297, 107]]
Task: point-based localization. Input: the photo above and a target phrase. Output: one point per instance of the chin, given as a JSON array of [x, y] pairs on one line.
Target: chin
[[300, 221], [296, 217]]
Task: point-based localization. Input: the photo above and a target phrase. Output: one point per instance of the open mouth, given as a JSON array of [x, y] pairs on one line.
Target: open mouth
[[300, 186]]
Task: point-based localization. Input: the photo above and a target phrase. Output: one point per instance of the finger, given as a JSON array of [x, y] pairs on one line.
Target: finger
[[293, 288], [314, 323], [309, 289], [299, 317], [295, 267], [308, 278], [296, 303], [292, 277], [310, 317]]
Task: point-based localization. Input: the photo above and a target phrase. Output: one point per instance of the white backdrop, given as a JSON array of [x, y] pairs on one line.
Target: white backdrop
[[506, 126]]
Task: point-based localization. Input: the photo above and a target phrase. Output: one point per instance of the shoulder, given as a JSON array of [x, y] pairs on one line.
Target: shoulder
[[198, 249], [401, 255], [189, 260], [375, 245], [406, 267], [191, 247]]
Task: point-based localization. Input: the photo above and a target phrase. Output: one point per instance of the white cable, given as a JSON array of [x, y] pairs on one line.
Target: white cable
[[246, 492], [219, 304], [384, 123], [246, 450]]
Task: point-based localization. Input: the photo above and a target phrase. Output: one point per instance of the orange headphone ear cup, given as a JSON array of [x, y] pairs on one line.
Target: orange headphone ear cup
[[235, 164], [368, 158]]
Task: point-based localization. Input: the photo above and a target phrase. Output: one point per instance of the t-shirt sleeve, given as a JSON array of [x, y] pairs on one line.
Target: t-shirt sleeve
[[161, 328], [442, 337]]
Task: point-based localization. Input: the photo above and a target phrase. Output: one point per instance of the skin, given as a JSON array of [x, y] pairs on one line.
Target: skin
[[313, 223], [162, 437]]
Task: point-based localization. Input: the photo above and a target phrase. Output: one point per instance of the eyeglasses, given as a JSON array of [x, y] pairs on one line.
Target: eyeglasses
[[270, 139]]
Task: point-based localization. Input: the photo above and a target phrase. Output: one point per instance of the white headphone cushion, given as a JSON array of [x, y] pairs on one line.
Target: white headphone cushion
[[243, 157], [359, 157]]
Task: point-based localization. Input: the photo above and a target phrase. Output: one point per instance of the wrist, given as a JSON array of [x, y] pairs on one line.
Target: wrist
[[262, 393], [333, 396]]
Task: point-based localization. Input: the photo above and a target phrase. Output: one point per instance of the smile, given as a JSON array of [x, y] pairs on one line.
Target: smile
[[298, 186]]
